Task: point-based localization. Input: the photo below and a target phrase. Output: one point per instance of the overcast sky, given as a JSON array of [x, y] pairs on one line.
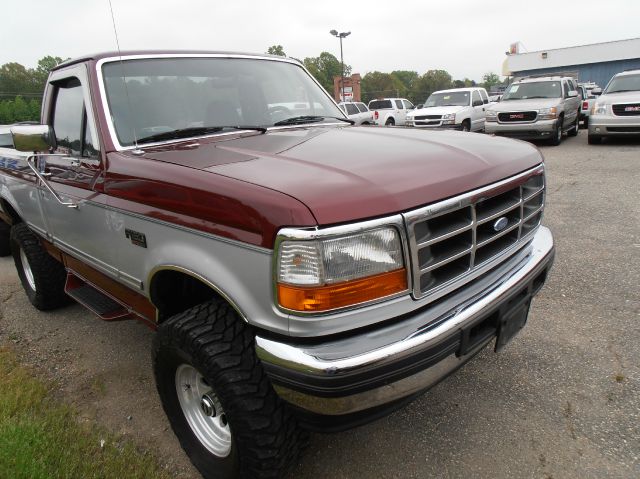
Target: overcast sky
[[466, 38]]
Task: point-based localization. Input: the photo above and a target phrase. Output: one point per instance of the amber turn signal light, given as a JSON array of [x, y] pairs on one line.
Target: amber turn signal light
[[324, 298]]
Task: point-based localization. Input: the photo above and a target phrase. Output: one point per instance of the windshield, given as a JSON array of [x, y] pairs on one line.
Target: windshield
[[169, 94], [540, 89], [624, 83], [458, 98]]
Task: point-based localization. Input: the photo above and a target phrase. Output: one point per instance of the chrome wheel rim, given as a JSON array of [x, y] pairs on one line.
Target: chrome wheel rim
[[559, 134], [203, 411], [26, 268]]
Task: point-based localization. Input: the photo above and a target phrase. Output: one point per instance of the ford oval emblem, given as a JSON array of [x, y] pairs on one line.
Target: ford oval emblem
[[500, 224]]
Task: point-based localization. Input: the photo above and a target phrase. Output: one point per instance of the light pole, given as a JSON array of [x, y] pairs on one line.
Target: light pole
[[341, 36]]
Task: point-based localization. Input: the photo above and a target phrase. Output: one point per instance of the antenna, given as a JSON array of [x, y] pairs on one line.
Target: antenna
[[137, 150]]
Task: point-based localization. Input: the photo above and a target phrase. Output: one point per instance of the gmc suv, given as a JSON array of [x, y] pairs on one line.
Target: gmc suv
[[536, 108], [617, 111]]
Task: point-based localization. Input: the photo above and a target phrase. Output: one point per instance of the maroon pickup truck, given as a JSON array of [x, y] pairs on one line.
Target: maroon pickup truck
[[301, 273]]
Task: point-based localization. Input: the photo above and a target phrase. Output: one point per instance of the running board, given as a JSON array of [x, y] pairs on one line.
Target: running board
[[95, 300]]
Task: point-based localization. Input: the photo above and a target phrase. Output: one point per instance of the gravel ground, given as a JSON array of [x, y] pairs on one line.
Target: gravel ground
[[561, 401]]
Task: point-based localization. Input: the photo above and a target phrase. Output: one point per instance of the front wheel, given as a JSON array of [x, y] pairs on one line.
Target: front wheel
[[218, 398], [556, 135], [42, 277]]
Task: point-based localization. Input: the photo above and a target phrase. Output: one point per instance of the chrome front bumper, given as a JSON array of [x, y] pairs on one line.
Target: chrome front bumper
[[377, 367], [611, 125], [533, 130]]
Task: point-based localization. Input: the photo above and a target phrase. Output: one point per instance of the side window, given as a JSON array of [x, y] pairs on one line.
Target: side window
[[485, 98], [475, 97], [362, 107], [88, 150], [407, 104], [566, 89], [73, 137], [399, 104], [68, 117], [351, 109]]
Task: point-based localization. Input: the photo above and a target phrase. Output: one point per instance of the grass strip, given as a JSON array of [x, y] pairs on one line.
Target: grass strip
[[40, 438]]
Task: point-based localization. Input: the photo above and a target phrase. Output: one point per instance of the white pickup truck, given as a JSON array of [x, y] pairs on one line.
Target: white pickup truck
[[390, 111], [459, 109]]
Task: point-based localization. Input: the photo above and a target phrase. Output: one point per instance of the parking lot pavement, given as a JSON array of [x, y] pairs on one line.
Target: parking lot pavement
[[561, 401]]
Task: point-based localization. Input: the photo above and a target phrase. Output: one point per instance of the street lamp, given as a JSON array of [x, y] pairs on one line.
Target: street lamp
[[341, 36]]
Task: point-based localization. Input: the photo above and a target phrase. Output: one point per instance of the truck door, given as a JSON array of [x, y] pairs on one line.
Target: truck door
[[81, 227], [477, 111]]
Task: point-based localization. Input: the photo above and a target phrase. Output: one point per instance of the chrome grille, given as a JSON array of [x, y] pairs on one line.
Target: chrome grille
[[517, 116], [453, 241], [626, 109]]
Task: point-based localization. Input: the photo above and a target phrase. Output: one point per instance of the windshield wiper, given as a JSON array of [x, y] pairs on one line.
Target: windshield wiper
[[532, 97], [298, 120], [621, 91], [196, 131]]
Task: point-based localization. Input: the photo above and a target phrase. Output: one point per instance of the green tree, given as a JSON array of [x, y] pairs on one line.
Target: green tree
[[431, 81], [45, 65], [276, 50], [15, 79], [378, 84], [490, 79], [324, 68]]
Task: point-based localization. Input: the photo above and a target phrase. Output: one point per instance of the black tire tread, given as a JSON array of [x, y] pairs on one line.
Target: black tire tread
[[5, 239], [574, 130], [223, 349], [49, 275]]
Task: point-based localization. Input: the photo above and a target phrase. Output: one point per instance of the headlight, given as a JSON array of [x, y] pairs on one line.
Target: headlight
[[548, 113], [325, 274], [408, 121], [491, 115], [449, 119], [599, 109]]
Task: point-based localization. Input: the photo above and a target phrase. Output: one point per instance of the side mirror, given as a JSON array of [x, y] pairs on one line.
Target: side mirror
[[572, 93], [477, 103], [33, 138], [596, 92]]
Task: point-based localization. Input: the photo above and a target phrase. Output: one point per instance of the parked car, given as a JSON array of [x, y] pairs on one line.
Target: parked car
[[588, 93], [459, 109], [495, 98], [299, 272], [536, 108], [617, 111], [358, 112], [390, 111]]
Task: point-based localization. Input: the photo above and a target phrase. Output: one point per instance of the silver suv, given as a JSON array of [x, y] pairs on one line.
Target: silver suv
[[617, 111], [536, 108]]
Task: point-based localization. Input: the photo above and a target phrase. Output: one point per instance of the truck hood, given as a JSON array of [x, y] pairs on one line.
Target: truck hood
[[524, 105], [437, 110], [348, 173], [622, 97]]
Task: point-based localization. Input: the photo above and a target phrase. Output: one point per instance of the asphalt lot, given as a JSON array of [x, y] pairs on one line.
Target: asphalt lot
[[561, 401]]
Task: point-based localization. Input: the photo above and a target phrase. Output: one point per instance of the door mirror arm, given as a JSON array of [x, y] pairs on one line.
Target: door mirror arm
[[38, 169]]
